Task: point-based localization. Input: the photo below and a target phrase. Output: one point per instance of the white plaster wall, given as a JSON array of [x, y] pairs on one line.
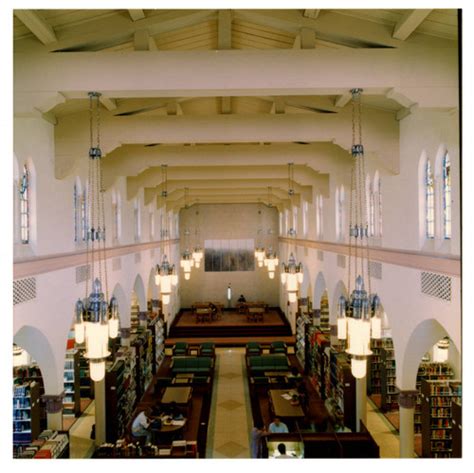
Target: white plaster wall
[[229, 221]]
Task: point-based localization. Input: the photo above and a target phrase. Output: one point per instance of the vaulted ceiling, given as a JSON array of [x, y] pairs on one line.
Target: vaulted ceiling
[[227, 97]]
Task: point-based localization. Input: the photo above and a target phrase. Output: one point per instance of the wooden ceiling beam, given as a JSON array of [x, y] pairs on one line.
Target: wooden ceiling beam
[[311, 14], [39, 27], [224, 29], [342, 100], [409, 23], [108, 103], [136, 15]]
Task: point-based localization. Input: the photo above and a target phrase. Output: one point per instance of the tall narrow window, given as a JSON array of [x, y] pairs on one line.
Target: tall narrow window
[[295, 219], [340, 212], [287, 221], [280, 223], [379, 208], [371, 209], [84, 228], [305, 218], [152, 225], [321, 221], [429, 203], [446, 197], [136, 219], [76, 207], [114, 219], [24, 206]]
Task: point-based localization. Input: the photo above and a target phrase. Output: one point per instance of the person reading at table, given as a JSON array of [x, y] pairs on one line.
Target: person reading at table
[[173, 411], [278, 427], [241, 299], [141, 424]]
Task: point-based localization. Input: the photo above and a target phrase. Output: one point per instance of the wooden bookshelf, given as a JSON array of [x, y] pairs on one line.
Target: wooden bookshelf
[[436, 414], [456, 411], [142, 343], [324, 315], [318, 361]]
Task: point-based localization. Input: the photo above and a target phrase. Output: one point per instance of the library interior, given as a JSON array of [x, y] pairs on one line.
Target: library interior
[[314, 157]]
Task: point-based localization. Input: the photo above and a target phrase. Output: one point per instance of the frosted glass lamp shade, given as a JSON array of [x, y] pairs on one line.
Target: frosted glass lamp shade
[[97, 338], [292, 297], [358, 367], [376, 327], [166, 284], [165, 298], [300, 277], [260, 263], [271, 274], [187, 276], [358, 337], [283, 277], [97, 370], [113, 328], [197, 263], [291, 282], [157, 279], [79, 332], [174, 279], [341, 328]]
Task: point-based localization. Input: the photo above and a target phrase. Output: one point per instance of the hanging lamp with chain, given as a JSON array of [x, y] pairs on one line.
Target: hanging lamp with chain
[[259, 248], [292, 274], [187, 261], [165, 274], [197, 251], [359, 316], [95, 319], [271, 258]]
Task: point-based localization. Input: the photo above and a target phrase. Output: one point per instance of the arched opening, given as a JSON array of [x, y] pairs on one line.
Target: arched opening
[[140, 294]]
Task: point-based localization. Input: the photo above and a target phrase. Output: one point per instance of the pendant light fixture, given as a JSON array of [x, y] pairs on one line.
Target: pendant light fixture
[[187, 261], [165, 275], [292, 274], [95, 319], [197, 252], [271, 258], [359, 316], [260, 248]]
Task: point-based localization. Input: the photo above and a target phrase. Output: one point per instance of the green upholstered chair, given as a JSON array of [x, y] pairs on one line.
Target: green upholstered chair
[[207, 349], [278, 347], [180, 348], [253, 348]]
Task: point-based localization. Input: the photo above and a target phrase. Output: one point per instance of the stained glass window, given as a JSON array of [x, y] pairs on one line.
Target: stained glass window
[[429, 201], [446, 197], [24, 206]]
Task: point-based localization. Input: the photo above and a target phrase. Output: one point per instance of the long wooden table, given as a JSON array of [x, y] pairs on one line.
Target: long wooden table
[[282, 407], [179, 395]]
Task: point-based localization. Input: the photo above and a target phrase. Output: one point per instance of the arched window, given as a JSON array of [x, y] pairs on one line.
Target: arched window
[[429, 201], [446, 197], [152, 224], [305, 218], [24, 206], [83, 205]]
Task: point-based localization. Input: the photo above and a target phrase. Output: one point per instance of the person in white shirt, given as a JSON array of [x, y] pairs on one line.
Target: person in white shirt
[[282, 450], [278, 427], [141, 424]]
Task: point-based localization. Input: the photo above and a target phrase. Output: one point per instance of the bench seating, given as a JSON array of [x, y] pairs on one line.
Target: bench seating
[[192, 364], [259, 364]]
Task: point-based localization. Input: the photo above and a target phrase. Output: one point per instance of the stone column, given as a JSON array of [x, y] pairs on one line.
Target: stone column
[[143, 318], [125, 336], [407, 401], [361, 402], [54, 410], [100, 419]]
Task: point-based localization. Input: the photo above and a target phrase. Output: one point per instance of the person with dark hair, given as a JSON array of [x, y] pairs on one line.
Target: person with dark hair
[[256, 435], [241, 299], [141, 424], [173, 411], [278, 427], [282, 450]]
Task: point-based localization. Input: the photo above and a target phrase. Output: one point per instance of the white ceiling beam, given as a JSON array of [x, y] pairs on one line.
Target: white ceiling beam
[[136, 15], [39, 27], [226, 105], [141, 40], [343, 100], [405, 112], [224, 29], [308, 38], [297, 42], [430, 79], [311, 13], [108, 103], [119, 28], [152, 44], [409, 22], [279, 105]]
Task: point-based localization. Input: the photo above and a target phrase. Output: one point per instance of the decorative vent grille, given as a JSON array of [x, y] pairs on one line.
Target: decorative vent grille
[[138, 257], [341, 261], [116, 264], [375, 270], [82, 273], [24, 290], [320, 255], [436, 285]]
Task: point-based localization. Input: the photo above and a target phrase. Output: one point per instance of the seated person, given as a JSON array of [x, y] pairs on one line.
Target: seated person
[[173, 411], [278, 427], [282, 450], [241, 299], [295, 400], [141, 424], [213, 309]]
